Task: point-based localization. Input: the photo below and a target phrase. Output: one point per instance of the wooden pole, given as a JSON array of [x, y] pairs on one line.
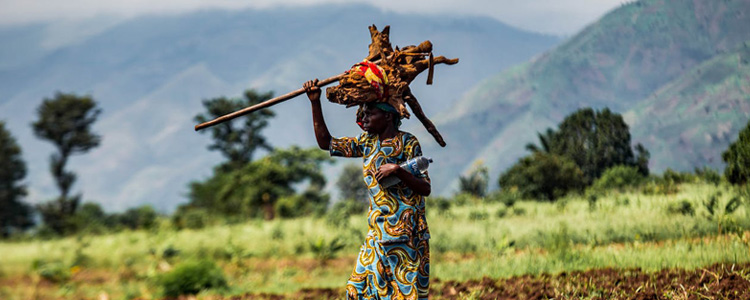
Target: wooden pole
[[264, 104]]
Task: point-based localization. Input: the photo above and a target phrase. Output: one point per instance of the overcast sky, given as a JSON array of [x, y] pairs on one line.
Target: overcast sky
[[561, 17]]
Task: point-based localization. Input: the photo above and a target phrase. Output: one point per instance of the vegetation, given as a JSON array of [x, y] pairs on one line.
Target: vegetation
[[543, 176], [737, 157], [15, 214], [475, 183], [625, 229], [65, 121], [237, 143]]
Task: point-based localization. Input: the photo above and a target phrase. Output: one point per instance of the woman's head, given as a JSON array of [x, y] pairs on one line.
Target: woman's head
[[377, 117]]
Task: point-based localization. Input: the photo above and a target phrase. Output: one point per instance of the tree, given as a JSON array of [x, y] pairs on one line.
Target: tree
[[255, 188], [737, 157], [66, 122], [14, 214], [237, 143], [543, 176], [595, 141], [475, 183], [351, 185]]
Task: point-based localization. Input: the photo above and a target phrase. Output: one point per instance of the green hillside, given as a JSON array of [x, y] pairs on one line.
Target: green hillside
[[618, 62], [698, 114]]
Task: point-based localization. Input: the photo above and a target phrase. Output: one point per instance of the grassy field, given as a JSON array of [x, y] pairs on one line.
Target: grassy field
[[479, 238]]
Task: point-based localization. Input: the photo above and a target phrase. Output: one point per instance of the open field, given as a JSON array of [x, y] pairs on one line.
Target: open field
[[472, 244]]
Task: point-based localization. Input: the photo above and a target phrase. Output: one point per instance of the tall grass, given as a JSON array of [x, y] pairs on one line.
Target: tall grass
[[479, 238]]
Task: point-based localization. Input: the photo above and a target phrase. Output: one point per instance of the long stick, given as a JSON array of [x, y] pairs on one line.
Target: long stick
[[264, 104]]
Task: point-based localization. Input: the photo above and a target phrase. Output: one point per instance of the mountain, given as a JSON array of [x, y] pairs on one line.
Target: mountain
[[637, 60], [149, 75]]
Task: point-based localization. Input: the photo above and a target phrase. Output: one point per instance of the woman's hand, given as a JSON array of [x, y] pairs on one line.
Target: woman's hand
[[312, 90], [386, 170]]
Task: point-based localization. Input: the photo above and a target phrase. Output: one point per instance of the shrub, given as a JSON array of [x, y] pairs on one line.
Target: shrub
[[683, 207], [339, 214], [191, 218], [478, 215], [708, 175], [543, 176], [737, 157], [619, 177], [190, 277], [53, 271], [439, 204], [475, 183]]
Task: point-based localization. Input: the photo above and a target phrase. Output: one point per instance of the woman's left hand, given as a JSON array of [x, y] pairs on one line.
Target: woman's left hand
[[386, 170]]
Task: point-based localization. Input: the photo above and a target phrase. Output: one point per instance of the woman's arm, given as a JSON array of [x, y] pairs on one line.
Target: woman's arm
[[416, 184], [322, 135]]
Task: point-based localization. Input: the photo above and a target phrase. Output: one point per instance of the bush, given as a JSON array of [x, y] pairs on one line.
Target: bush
[[191, 218], [53, 271], [543, 176], [339, 214], [619, 177], [708, 175], [684, 207], [439, 204], [475, 183], [190, 277], [737, 157]]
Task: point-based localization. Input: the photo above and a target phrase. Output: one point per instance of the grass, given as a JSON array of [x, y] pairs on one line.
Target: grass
[[477, 239]]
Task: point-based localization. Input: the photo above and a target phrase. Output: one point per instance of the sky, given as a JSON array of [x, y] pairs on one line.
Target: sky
[[558, 17]]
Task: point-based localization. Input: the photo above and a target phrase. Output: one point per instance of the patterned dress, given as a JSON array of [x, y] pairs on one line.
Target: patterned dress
[[394, 261]]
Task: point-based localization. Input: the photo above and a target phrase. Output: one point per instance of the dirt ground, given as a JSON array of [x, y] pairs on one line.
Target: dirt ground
[[721, 281]]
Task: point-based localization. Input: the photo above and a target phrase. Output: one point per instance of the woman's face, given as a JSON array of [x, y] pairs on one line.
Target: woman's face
[[375, 121]]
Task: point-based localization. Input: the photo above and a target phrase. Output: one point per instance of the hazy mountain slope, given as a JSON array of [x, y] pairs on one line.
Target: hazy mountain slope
[[693, 119], [150, 74], [616, 62]]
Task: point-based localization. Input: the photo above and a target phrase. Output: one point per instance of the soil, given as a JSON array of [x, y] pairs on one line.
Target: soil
[[720, 281]]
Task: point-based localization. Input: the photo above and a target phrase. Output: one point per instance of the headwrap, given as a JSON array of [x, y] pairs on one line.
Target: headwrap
[[375, 75]]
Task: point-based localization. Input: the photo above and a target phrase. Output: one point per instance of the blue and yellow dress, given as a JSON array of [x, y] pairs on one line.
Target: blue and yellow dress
[[394, 261]]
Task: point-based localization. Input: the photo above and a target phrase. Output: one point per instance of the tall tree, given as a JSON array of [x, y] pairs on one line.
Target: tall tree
[[65, 121], [14, 214], [595, 141], [237, 143], [737, 157]]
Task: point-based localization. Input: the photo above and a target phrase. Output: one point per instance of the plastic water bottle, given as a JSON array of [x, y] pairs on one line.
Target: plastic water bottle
[[416, 166]]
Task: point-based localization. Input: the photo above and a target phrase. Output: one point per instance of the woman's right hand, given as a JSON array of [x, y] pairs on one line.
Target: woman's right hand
[[312, 90]]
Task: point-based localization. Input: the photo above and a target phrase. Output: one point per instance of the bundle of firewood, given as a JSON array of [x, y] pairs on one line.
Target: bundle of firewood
[[401, 66]]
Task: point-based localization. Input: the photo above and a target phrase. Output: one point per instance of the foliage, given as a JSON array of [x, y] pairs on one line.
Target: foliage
[[619, 177], [737, 157], [143, 217], [351, 185], [254, 189], [91, 218], [324, 250], [543, 176], [708, 175], [683, 207], [237, 143], [190, 277], [66, 122], [15, 214], [190, 217], [53, 271], [595, 141], [475, 183], [339, 214]]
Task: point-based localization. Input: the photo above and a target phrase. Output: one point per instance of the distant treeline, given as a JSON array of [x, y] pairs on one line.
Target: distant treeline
[[589, 152]]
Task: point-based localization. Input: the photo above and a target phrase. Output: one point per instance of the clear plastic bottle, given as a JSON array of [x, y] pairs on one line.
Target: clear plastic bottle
[[415, 166]]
